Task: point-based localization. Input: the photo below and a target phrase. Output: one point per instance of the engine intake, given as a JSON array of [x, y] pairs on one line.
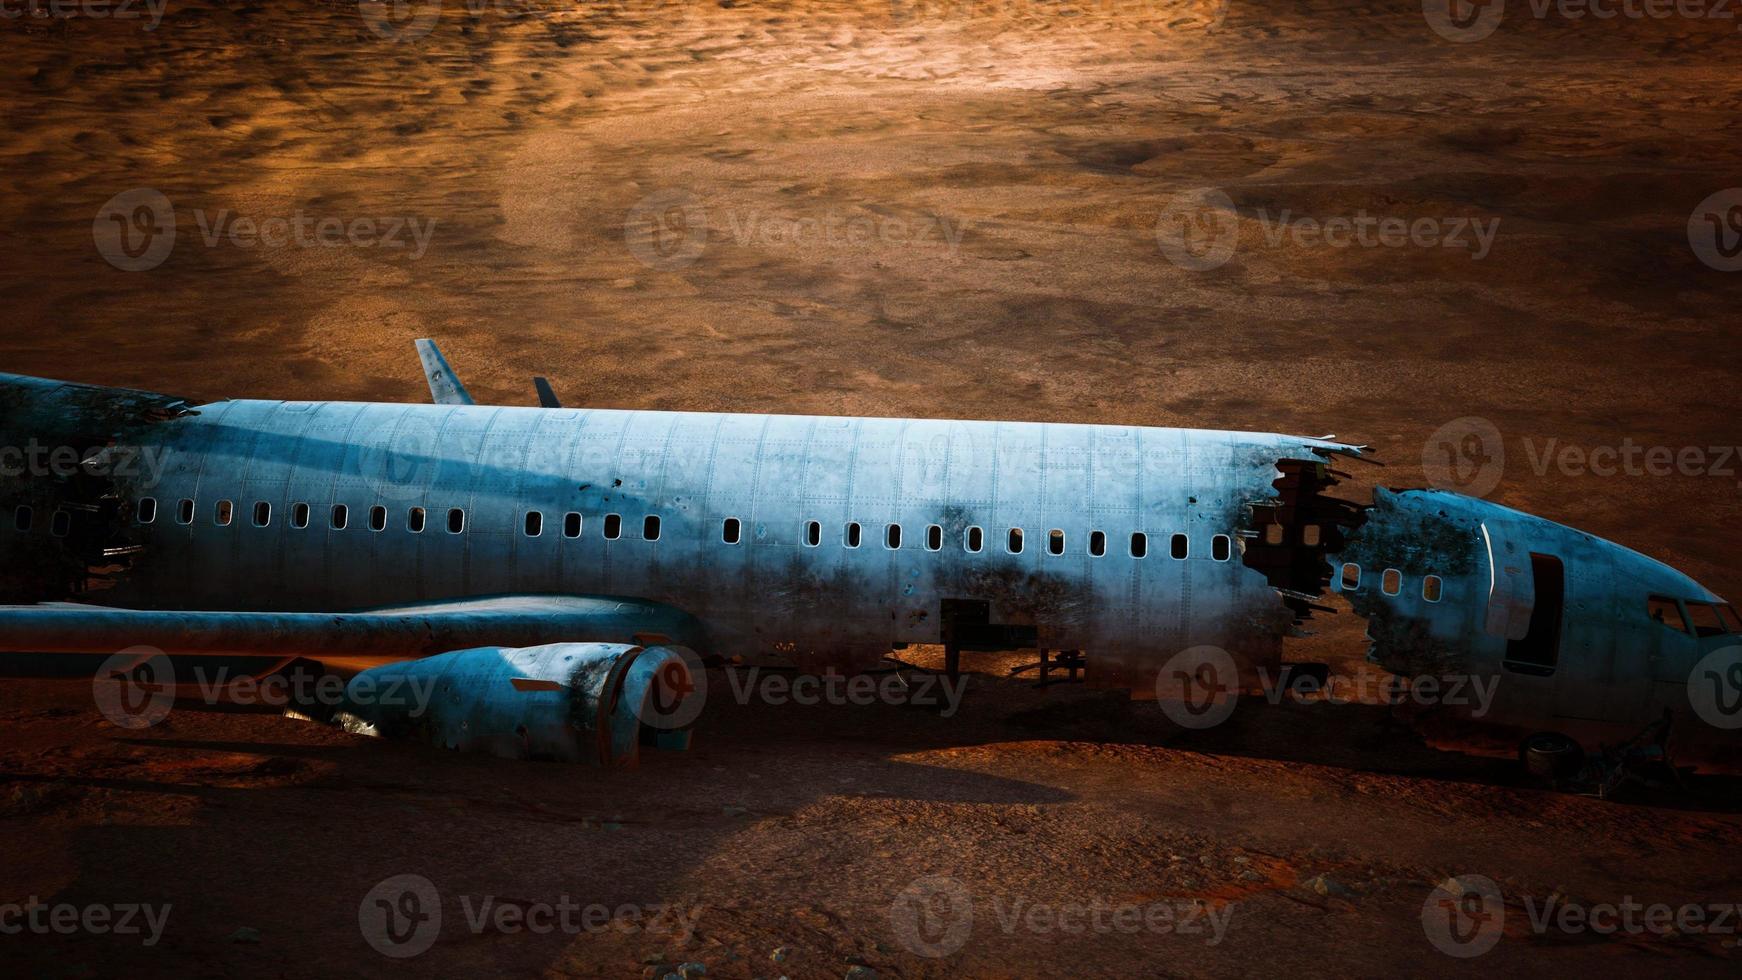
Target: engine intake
[[570, 702]]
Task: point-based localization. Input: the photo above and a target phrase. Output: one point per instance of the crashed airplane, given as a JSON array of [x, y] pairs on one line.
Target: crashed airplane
[[553, 572]]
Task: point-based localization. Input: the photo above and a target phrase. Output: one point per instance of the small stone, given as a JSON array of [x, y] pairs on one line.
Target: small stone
[[1328, 886], [780, 955], [861, 973], [247, 936], [1250, 875], [690, 971], [1242, 859]]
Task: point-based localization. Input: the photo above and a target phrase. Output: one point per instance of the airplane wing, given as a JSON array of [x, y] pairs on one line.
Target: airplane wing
[[569, 678]]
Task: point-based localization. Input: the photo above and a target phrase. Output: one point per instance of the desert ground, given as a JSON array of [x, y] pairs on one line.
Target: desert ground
[[889, 207]]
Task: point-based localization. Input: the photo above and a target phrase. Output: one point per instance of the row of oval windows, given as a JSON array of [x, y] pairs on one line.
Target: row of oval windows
[[1390, 583], [731, 529], [731, 532]]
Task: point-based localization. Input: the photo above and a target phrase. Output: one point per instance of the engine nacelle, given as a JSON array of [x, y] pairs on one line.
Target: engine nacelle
[[570, 702]]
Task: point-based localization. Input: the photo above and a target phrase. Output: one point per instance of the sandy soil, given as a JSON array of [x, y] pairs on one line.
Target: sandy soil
[[904, 209]]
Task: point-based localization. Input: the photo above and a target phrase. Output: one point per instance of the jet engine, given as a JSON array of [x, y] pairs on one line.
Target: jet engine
[[571, 702]]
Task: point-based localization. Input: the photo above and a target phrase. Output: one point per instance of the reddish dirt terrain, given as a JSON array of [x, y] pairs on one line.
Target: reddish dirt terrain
[[890, 208]]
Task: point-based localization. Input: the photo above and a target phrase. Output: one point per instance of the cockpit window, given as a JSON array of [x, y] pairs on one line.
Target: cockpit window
[[1728, 613], [1664, 610], [1705, 619]]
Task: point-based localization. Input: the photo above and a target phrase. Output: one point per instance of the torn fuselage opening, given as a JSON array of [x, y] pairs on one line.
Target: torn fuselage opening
[[1290, 535], [69, 487]]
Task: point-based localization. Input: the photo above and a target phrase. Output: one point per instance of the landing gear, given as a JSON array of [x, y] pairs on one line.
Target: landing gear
[[1551, 756], [1072, 662]]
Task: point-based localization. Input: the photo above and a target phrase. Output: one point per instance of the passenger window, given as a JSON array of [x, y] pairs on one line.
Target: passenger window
[[1181, 547], [146, 513], [341, 517], [1310, 535], [1432, 588], [1664, 610], [813, 533], [934, 537], [1013, 543], [853, 532], [1350, 580], [1273, 533], [21, 518], [1139, 545], [1055, 542], [1391, 583], [1705, 620], [456, 520], [1731, 623], [299, 515], [892, 537], [650, 527], [732, 531], [613, 526], [534, 523], [61, 524], [1222, 547], [262, 513], [415, 520], [184, 511], [377, 518], [975, 540], [1097, 543], [572, 524], [223, 513]]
